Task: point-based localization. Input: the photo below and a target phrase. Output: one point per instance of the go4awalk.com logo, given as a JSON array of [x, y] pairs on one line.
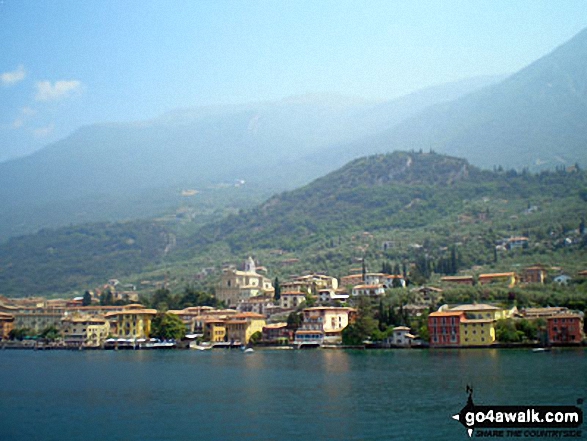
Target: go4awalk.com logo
[[520, 421]]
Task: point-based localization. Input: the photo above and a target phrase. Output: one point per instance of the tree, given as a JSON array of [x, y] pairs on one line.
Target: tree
[[277, 289], [256, 338], [106, 298], [294, 320], [87, 300], [167, 327], [363, 327], [50, 333]]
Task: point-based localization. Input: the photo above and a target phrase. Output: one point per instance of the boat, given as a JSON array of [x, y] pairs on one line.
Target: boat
[[541, 350], [200, 346], [249, 351]]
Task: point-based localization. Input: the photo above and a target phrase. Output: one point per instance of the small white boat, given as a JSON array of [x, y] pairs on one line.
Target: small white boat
[[249, 351], [200, 347]]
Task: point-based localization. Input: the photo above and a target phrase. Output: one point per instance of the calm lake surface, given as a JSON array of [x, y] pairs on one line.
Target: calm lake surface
[[271, 394]]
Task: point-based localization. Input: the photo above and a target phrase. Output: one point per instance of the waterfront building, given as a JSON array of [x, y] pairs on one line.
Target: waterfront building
[[276, 333], [85, 331], [236, 286], [214, 330], [477, 332], [444, 328], [6, 325], [131, 323], [188, 316], [565, 329], [240, 327], [401, 337], [324, 324]]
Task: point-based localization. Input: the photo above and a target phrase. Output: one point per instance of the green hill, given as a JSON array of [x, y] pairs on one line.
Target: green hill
[[414, 210]]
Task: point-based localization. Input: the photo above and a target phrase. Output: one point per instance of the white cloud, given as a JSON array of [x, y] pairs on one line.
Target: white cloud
[[43, 132], [24, 114], [47, 91], [10, 78]]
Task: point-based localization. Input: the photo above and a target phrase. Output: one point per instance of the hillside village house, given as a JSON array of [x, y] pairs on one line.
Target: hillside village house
[[259, 305], [368, 290], [460, 280], [330, 295], [534, 274], [324, 324], [291, 299], [387, 280], [506, 278], [236, 286]]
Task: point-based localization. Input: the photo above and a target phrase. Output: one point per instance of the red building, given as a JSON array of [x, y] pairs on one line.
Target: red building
[[565, 328], [444, 328]]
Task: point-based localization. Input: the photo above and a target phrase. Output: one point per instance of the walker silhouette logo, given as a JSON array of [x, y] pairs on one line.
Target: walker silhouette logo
[[514, 421]]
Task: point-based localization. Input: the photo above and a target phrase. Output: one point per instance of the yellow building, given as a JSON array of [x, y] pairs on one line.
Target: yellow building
[[132, 323], [85, 331], [477, 332], [504, 278], [240, 327], [477, 327], [214, 330], [235, 286]]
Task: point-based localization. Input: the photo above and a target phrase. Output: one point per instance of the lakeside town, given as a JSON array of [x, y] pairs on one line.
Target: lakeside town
[[313, 310]]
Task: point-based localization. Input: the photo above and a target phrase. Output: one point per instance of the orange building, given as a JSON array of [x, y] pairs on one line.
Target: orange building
[[6, 325], [444, 328], [565, 328]]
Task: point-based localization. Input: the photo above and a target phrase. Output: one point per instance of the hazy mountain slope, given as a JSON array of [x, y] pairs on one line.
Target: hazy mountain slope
[[192, 147], [534, 118]]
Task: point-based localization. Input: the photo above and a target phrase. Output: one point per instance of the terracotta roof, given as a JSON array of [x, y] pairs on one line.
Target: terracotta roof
[[446, 314], [132, 311], [489, 276], [251, 315]]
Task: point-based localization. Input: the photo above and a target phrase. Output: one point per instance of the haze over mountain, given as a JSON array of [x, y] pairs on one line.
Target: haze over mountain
[[111, 171], [535, 118]]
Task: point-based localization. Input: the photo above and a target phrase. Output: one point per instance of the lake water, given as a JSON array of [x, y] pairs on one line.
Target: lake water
[[271, 394]]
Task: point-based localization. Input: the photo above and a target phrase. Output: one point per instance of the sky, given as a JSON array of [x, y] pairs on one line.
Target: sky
[[69, 63]]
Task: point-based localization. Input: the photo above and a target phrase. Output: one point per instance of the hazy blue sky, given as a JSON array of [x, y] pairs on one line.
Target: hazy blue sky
[[68, 63]]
